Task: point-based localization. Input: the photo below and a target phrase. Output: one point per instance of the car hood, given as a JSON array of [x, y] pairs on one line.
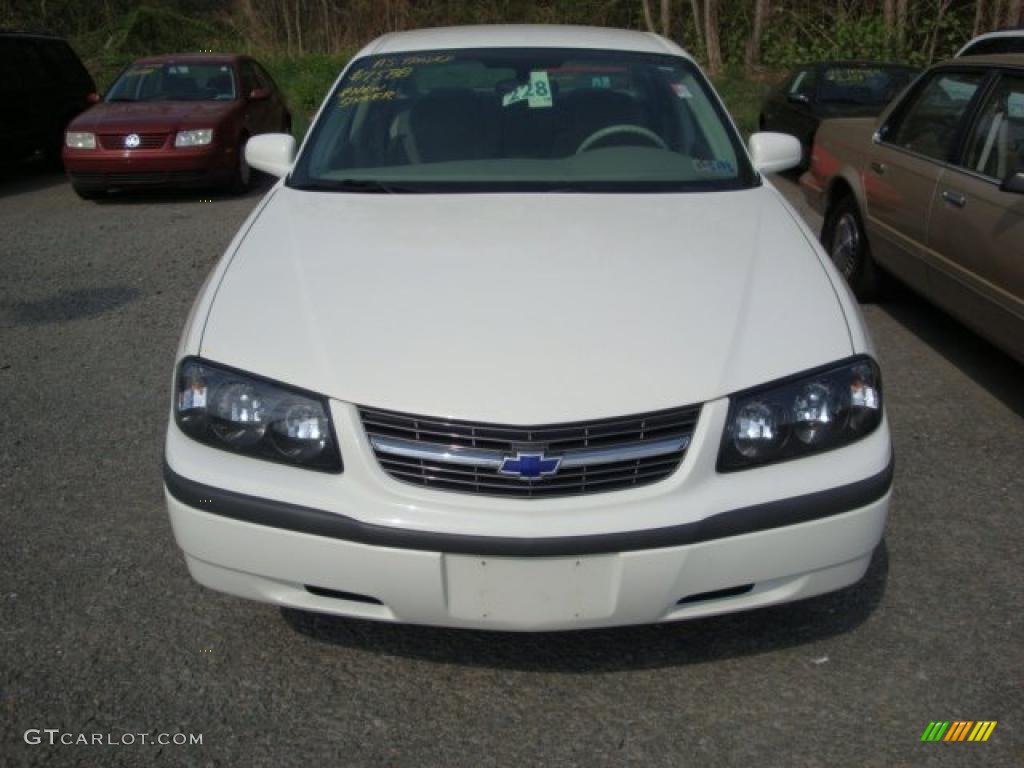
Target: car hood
[[118, 117], [525, 309]]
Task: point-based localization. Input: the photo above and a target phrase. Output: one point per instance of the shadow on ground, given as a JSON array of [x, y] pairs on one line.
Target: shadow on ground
[[989, 367], [29, 176], [70, 305], [142, 196], [611, 650]]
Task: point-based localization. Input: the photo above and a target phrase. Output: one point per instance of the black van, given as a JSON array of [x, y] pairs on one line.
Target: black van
[[43, 84]]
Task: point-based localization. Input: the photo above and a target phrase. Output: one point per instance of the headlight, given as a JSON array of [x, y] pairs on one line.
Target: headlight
[[245, 414], [196, 138], [809, 413], [80, 140]]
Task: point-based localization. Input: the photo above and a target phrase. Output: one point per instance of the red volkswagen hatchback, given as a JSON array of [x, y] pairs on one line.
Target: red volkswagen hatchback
[[174, 121]]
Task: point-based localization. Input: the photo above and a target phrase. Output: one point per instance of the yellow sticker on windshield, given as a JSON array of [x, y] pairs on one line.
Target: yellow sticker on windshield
[[359, 94], [366, 76]]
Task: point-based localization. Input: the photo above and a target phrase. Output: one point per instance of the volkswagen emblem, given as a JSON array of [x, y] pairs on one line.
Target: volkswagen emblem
[[132, 140]]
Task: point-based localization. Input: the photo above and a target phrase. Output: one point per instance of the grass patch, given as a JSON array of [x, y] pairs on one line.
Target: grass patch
[[305, 82], [743, 94]]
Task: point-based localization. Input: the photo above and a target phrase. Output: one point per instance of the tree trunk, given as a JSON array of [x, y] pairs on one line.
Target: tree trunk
[[997, 15], [1013, 13], [711, 42], [889, 15], [648, 19], [287, 26], [943, 7], [695, 5], [901, 26], [979, 17], [761, 10], [665, 19]]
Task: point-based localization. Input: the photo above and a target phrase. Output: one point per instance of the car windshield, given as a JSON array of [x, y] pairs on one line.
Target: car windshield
[[175, 82], [522, 119], [870, 86]]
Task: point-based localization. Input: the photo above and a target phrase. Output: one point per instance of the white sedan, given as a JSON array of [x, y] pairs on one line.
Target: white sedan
[[522, 339]]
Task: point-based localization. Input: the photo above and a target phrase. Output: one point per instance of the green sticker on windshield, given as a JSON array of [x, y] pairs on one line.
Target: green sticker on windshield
[[536, 93]]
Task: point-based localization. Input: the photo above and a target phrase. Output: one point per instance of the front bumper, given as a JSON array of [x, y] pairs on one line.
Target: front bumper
[[101, 169], [362, 544]]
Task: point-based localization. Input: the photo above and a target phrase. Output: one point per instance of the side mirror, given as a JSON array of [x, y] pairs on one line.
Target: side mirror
[[259, 94], [93, 98], [799, 98], [271, 153], [1014, 183], [774, 152]]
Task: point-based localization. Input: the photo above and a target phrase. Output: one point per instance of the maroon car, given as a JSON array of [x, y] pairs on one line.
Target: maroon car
[[174, 121]]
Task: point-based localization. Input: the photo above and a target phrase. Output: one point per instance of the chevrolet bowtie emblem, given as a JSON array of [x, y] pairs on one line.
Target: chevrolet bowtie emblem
[[529, 466]]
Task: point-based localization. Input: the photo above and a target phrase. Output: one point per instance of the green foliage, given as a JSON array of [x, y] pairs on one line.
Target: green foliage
[[305, 81], [742, 95], [145, 31], [796, 38]]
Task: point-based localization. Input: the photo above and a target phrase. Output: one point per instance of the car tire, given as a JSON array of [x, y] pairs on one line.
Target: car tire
[[241, 179], [847, 245]]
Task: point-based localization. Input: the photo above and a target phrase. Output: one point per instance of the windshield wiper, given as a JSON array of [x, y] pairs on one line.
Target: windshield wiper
[[120, 98], [370, 186]]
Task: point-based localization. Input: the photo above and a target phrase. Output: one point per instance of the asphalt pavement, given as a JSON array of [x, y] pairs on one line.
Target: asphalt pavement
[[103, 633]]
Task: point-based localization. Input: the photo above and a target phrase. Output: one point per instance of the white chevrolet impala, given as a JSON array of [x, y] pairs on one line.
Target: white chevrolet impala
[[522, 339]]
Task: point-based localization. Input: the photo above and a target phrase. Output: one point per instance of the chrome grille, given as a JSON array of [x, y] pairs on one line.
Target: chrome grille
[[595, 456], [146, 140]]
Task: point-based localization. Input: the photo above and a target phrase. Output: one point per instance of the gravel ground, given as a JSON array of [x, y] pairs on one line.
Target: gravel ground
[[103, 632]]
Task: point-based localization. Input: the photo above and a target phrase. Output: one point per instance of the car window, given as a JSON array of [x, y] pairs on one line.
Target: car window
[[929, 124], [26, 68], [996, 145], [193, 81], [869, 86], [250, 78], [554, 118], [803, 83], [1007, 44], [10, 64], [264, 77], [61, 61]]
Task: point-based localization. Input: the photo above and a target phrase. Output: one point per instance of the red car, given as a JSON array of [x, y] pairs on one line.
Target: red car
[[174, 121]]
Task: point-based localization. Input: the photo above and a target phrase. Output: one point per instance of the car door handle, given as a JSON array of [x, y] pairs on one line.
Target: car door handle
[[878, 167], [954, 198]]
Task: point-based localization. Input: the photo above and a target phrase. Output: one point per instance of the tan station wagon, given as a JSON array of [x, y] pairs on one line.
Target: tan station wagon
[[933, 193]]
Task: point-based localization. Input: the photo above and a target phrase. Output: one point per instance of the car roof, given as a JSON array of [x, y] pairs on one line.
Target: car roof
[[38, 35], [988, 60], [1009, 32], [172, 58], [861, 63], [521, 36]]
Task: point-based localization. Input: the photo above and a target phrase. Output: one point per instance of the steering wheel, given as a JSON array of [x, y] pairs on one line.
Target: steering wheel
[[610, 130]]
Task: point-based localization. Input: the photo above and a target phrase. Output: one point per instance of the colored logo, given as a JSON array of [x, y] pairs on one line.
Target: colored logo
[[132, 140], [959, 730], [529, 466]]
